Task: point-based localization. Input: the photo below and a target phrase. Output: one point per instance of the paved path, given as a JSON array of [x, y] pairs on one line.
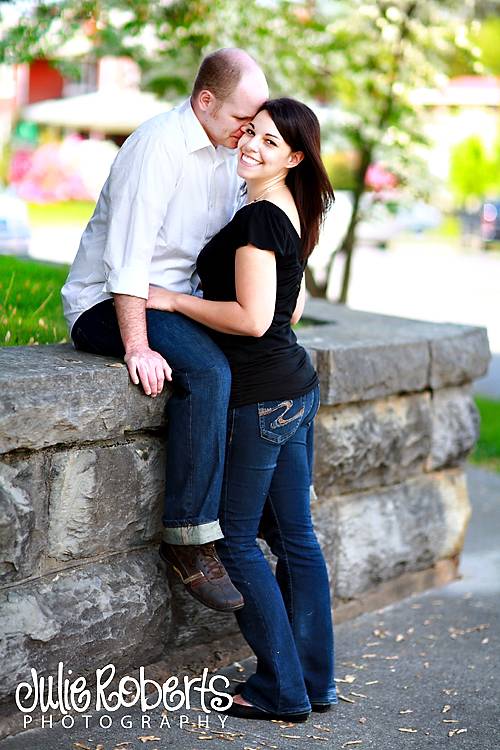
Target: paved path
[[421, 674]]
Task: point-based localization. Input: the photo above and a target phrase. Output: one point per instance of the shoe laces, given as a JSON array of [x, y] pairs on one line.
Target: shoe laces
[[214, 565]]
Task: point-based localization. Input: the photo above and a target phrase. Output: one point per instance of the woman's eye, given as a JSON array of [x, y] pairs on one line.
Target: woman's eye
[[271, 143], [249, 131]]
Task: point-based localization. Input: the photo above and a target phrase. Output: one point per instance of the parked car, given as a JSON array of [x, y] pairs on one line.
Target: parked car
[[15, 233], [489, 222]]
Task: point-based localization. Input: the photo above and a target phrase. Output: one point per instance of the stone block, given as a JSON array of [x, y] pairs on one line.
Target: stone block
[[23, 516], [110, 611], [458, 358], [64, 396], [192, 622], [105, 498], [362, 356], [364, 371], [371, 444], [455, 426], [373, 536]]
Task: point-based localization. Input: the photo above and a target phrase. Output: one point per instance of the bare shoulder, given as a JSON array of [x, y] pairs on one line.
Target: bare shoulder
[[287, 204]]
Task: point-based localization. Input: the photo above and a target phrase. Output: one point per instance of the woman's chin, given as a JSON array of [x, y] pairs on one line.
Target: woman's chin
[[244, 172]]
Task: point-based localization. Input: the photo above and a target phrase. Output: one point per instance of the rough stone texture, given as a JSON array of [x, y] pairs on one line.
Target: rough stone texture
[[366, 370], [455, 426], [23, 516], [359, 356], [112, 610], [458, 358], [192, 622], [362, 356], [82, 473], [373, 536], [64, 396], [105, 498], [370, 444]]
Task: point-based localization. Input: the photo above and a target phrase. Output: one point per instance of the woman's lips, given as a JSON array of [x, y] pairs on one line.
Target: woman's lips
[[249, 161]]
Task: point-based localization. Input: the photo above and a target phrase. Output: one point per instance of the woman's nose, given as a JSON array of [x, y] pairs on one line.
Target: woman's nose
[[252, 144]]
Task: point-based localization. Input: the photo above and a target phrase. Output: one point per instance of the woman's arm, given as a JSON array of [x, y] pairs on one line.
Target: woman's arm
[[253, 311], [301, 300]]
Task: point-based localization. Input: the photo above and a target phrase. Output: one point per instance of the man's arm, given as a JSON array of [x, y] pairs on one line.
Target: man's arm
[[144, 364], [141, 183]]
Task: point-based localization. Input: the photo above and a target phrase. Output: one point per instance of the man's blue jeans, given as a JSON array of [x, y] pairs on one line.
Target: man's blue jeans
[[196, 414], [287, 617]]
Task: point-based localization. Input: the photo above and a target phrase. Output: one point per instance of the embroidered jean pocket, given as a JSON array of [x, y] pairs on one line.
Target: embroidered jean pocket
[[279, 420]]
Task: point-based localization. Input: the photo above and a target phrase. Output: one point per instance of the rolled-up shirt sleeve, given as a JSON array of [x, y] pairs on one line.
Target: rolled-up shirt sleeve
[[141, 184]]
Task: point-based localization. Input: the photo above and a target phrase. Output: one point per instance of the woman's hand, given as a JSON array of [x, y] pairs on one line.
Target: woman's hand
[[161, 299]]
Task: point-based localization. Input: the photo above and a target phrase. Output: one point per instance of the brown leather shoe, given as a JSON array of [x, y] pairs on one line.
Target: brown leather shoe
[[203, 575]]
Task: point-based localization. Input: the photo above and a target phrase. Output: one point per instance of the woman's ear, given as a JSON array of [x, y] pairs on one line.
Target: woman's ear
[[295, 158]]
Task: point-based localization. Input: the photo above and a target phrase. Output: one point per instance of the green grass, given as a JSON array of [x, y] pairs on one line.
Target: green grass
[[30, 302], [63, 212], [487, 450]]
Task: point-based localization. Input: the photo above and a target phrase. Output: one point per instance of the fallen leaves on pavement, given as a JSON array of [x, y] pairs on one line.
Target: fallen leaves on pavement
[[344, 698]]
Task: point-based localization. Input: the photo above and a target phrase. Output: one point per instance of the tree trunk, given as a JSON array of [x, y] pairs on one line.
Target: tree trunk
[[348, 243], [314, 289]]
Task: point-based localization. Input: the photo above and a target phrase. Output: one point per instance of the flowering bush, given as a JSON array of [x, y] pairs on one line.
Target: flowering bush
[[72, 169]]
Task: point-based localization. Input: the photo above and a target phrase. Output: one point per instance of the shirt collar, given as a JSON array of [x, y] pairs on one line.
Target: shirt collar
[[196, 137]]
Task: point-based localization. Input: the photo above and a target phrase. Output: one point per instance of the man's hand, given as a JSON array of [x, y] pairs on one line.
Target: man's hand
[[144, 365], [161, 299], [149, 368]]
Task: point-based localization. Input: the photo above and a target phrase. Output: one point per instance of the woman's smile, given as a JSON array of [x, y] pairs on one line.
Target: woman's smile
[[249, 161]]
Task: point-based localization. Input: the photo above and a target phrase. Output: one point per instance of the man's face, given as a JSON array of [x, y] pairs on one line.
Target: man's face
[[224, 121]]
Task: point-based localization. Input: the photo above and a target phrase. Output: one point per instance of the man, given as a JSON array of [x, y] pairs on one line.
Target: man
[[172, 186]]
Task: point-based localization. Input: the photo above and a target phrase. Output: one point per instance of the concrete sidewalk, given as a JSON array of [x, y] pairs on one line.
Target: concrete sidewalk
[[423, 673]]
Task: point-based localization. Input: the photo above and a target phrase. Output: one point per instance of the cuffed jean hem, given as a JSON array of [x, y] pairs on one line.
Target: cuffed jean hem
[[201, 534]]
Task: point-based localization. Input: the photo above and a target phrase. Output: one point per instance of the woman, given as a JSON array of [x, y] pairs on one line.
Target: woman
[[252, 277]]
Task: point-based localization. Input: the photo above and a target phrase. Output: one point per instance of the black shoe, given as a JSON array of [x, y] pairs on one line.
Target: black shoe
[[318, 708], [203, 575], [251, 712], [321, 708]]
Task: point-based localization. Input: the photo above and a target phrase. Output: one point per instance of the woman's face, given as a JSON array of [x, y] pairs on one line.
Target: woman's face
[[263, 154]]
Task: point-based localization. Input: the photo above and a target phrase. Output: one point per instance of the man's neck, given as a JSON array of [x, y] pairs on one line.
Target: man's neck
[[197, 114]]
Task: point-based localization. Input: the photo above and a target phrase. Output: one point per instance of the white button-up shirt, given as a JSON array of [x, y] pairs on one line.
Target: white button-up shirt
[[168, 192]]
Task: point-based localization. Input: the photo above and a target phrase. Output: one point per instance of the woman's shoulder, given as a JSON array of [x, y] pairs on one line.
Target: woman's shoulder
[[269, 214]]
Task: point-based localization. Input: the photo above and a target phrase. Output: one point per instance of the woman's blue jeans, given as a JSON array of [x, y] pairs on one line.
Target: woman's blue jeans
[[287, 617]]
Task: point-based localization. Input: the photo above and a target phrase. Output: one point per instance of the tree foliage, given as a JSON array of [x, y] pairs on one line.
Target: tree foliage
[[362, 59], [473, 172]]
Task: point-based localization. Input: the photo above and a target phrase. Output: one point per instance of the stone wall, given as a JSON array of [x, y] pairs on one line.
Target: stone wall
[[82, 472]]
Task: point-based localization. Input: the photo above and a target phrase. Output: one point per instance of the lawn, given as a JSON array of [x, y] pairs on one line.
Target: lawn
[[30, 302], [62, 212], [487, 450]]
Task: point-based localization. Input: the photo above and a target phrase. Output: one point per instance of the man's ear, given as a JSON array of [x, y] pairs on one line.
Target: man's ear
[[206, 100], [295, 158]]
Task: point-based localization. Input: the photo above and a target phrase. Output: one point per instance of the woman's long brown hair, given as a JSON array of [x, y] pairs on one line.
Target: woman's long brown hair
[[308, 181]]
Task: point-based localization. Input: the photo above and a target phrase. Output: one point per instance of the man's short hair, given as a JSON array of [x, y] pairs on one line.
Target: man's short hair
[[220, 73]]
